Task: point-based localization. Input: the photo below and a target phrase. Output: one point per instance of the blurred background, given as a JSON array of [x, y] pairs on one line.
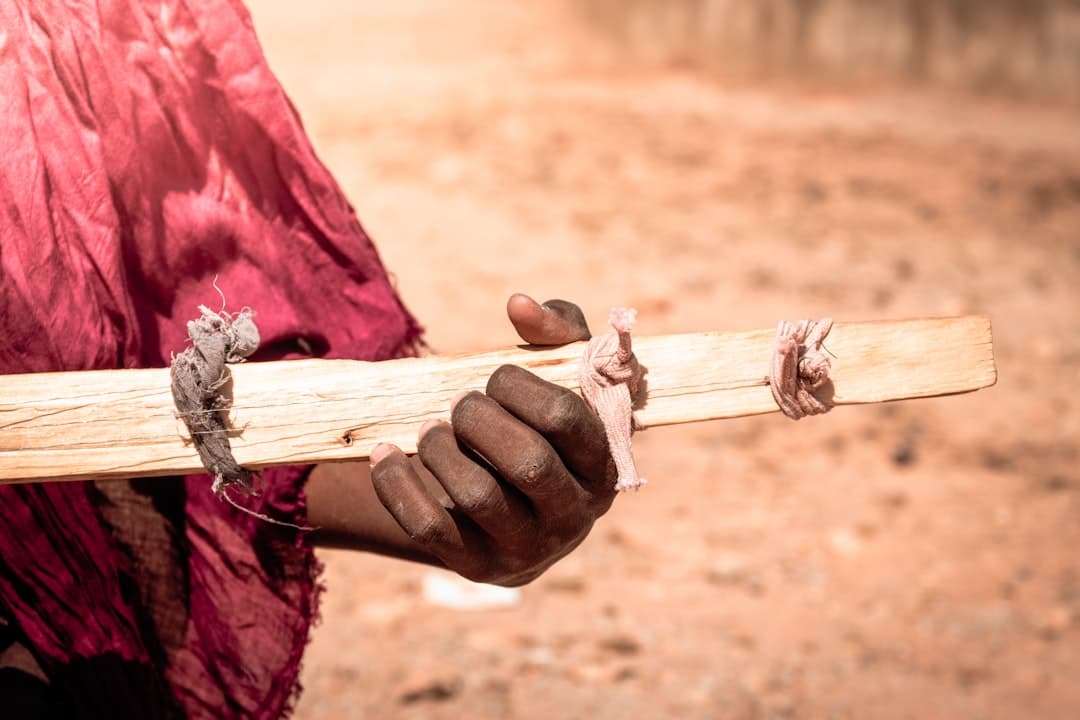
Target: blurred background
[[722, 164]]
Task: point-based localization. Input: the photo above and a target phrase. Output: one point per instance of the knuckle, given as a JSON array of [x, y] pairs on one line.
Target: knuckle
[[534, 463], [477, 493], [482, 570], [430, 531], [562, 409]]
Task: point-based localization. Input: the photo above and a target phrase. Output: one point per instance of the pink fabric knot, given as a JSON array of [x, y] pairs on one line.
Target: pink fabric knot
[[799, 367], [610, 379]]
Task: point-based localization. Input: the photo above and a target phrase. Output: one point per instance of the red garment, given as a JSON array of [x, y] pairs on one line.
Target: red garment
[[145, 148]]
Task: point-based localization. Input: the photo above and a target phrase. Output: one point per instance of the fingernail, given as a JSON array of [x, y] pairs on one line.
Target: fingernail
[[519, 299], [428, 426], [381, 451]]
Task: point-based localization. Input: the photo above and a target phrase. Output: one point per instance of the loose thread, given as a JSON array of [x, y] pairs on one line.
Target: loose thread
[[224, 493], [610, 378], [799, 366]]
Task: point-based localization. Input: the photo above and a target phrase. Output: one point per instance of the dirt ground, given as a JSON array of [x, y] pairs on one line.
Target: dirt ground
[[912, 560]]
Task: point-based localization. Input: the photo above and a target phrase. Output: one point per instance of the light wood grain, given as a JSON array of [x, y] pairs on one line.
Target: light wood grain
[[122, 423]]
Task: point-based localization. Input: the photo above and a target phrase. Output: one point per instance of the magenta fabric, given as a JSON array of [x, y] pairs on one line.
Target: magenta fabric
[[145, 148]]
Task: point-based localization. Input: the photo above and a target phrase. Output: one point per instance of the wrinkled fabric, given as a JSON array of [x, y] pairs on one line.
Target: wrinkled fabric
[[145, 149]]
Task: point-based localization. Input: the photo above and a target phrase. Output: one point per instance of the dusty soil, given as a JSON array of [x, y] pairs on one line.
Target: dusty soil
[[912, 560]]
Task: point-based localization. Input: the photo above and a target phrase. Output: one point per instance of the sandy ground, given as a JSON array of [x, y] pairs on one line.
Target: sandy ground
[[912, 560]]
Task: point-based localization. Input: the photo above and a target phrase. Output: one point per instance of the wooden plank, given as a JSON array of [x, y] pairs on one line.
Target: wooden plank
[[122, 423]]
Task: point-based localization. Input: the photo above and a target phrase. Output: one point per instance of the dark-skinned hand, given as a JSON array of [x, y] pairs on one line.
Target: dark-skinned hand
[[525, 465]]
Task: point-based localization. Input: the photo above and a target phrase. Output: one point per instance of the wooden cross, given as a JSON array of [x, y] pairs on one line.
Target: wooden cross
[[123, 423]]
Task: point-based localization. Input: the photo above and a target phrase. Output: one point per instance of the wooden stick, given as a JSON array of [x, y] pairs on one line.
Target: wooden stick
[[122, 423]]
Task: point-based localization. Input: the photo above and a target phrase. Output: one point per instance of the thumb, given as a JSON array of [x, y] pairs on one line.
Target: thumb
[[556, 322]]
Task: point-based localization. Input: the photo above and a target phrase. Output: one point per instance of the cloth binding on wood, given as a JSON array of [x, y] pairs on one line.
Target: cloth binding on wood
[[610, 380], [199, 381], [800, 366]]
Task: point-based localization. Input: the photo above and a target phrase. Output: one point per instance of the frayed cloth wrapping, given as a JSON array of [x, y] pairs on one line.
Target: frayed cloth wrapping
[[611, 379], [199, 382], [799, 366]]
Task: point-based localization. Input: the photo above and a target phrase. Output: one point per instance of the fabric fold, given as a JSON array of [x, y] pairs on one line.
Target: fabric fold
[[145, 150]]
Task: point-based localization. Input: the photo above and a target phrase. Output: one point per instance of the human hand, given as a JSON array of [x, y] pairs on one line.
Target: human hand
[[525, 464]]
